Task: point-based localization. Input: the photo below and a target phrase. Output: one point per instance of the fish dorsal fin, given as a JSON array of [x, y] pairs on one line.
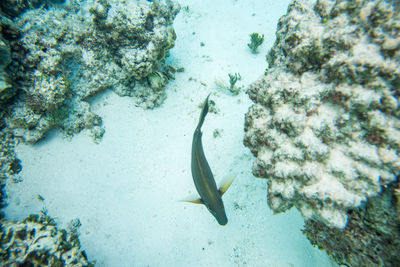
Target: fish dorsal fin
[[225, 185], [195, 201]]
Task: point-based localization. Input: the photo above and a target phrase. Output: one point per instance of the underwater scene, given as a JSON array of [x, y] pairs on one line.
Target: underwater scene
[[256, 133]]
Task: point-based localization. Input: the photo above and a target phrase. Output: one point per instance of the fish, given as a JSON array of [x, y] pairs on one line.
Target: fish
[[203, 177]]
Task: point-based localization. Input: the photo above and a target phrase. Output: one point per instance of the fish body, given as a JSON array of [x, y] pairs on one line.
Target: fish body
[[203, 178]]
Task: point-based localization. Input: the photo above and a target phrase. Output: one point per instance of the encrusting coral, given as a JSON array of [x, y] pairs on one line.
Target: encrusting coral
[[10, 165], [8, 31], [53, 60], [36, 241], [325, 126], [69, 53]]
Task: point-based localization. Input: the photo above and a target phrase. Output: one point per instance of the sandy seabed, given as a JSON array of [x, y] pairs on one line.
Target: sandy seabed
[[126, 191]]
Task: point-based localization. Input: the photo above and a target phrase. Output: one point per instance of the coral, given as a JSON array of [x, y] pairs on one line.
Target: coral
[[36, 241], [14, 8], [233, 78], [5, 54], [7, 91], [325, 126], [370, 237], [255, 41], [9, 164], [232, 87], [69, 53]]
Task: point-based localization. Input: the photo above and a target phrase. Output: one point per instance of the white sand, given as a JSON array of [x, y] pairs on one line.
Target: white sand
[[126, 190]]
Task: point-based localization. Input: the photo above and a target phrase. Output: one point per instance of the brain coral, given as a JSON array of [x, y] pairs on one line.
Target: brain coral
[[325, 126]]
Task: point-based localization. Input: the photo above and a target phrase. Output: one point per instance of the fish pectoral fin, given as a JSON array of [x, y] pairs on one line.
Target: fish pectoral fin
[[195, 201], [225, 185]]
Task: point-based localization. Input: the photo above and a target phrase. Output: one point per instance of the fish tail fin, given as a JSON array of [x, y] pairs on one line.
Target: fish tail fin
[[204, 112]]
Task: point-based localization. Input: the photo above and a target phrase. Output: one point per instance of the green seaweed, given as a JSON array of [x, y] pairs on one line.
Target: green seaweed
[[233, 78], [255, 41]]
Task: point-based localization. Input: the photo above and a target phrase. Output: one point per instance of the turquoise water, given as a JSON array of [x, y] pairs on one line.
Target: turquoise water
[[125, 180], [126, 190]]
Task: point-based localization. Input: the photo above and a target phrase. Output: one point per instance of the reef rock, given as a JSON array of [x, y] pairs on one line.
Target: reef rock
[[36, 241], [325, 126], [7, 31], [69, 53], [10, 165]]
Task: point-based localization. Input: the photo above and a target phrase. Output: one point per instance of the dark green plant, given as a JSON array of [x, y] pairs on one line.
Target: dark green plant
[[217, 133], [233, 78], [255, 41]]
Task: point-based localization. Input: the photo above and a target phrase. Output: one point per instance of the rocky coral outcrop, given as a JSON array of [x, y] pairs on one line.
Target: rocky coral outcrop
[[8, 31], [325, 126], [69, 53], [371, 237], [36, 241], [6, 90], [60, 56], [10, 165]]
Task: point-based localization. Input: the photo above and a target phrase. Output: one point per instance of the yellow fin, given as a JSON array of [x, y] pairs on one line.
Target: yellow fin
[[225, 185], [195, 201]]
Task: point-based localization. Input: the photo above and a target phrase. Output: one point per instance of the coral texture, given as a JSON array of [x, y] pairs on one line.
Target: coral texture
[[36, 241], [14, 8], [325, 126], [69, 53], [8, 31], [371, 237], [6, 91], [10, 165]]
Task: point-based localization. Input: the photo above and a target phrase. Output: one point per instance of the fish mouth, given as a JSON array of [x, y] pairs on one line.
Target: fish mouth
[[219, 216], [223, 220]]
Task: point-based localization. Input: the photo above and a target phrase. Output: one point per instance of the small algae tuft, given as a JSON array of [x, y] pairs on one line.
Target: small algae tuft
[[255, 41], [217, 133], [232, 88], [233, 78]]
